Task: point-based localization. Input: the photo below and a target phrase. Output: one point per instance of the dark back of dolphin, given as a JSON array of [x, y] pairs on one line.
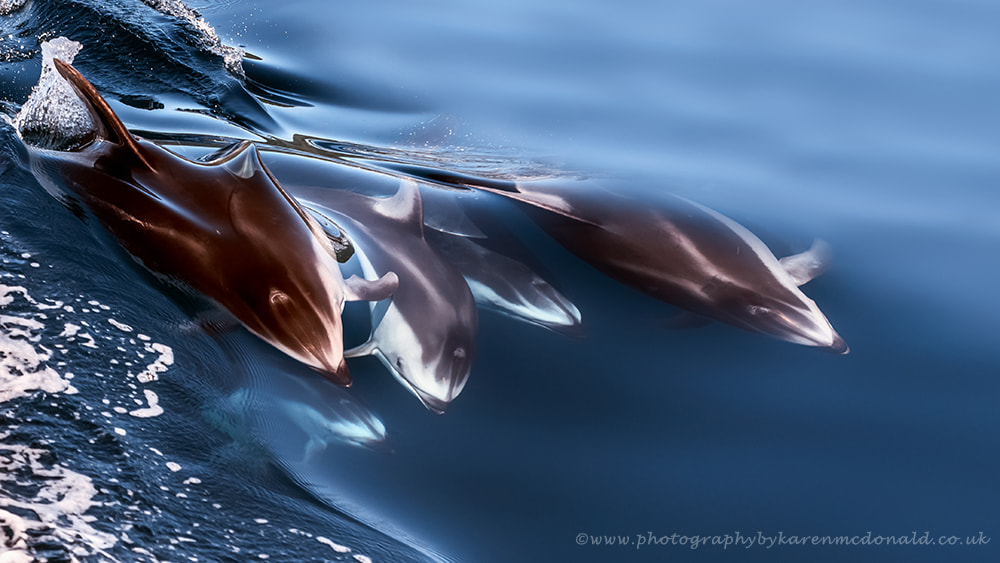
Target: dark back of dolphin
[[224, 228], [683, 253]]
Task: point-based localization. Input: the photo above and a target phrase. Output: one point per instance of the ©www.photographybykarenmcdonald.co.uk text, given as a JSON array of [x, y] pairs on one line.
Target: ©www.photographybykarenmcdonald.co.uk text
[[737, 540]]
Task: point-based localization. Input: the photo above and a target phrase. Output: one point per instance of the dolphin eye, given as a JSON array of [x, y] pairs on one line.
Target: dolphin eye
[[399, 363], [758, 310], [278, 297]]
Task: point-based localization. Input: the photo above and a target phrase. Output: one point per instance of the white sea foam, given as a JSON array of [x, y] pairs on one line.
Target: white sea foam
[[57, 497], [154, 409], [120, 326], [23, 368], [162, 363], [334, 546], [42, 502]]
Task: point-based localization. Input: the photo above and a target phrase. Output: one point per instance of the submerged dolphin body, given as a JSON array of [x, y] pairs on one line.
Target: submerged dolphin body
[[685, 254], [508, 286], [427, 335], [324, 415], [225, 229]]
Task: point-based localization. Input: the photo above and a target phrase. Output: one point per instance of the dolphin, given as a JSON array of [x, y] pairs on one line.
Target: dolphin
[[224, 228], [682, 253], [508, 286], [427, 335], [324, 414]]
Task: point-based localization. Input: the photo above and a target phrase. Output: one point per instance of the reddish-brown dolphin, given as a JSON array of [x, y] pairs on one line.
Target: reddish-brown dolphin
[[224, 228], [688, 255]]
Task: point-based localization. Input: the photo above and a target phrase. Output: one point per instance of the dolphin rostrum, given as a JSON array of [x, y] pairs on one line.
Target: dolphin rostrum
[[685, 254], [225, 229], [427, 335]]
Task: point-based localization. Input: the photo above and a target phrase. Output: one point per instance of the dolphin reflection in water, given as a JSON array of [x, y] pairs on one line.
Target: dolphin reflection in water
[[225, 229], [680, 252], [426, 337]]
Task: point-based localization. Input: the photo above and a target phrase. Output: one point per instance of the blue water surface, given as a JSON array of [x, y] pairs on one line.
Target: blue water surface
[[871, 125]]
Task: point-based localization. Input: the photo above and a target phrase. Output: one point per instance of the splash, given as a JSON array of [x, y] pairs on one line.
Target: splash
[[40, 498], [54, 117], [51, 500], [23, 368], [233, 56], [43, 501]]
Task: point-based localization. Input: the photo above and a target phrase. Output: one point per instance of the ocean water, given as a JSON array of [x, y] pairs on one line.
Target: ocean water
[[132, 433]]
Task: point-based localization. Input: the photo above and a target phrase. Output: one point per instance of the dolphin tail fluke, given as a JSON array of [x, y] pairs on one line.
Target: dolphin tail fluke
[[809, 264], [360, 289], [109, 125]]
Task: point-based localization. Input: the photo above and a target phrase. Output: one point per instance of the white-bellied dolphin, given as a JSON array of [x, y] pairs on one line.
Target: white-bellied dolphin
[[225, 229], [508, 286], [683, 253], [427, 335]]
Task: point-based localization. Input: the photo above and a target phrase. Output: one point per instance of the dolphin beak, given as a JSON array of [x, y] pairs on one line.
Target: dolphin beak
[[433, 404], [839, 346], [339, 375]]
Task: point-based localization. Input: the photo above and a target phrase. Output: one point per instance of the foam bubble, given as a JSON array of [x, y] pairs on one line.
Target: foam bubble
[[154, 408], [334, 546], [120, 326], [162, 363]]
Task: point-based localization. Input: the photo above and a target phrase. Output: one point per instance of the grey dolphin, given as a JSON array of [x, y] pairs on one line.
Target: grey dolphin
[[685, 254], [225, 229], [508, 286], [427, 335]]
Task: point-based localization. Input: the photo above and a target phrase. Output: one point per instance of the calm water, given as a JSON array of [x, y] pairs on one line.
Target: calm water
[[871, 125]]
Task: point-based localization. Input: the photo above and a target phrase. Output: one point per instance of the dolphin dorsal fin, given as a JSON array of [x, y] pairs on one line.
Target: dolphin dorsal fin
[[403, 206], [242, 161], [808, 265], [109, 126]]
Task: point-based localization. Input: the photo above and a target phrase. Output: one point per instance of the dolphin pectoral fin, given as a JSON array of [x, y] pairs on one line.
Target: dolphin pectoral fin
[[360, 289], [366, 349], [110, 127], [809, 264]]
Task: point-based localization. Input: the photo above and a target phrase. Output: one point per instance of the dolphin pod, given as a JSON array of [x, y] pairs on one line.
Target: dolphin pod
[[225, 229], [228, 231]]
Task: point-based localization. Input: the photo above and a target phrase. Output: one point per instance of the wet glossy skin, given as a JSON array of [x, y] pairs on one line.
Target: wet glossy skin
[[682, 253], [427, 336], [225, 229]]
